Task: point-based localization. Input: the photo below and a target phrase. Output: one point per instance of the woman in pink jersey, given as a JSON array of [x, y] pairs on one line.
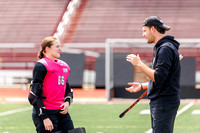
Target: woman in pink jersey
[[50, 92]]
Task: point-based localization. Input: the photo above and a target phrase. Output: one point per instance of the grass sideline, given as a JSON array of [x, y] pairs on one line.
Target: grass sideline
[[99, 118]]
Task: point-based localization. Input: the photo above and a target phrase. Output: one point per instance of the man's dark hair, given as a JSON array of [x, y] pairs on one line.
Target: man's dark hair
[[160, 30]]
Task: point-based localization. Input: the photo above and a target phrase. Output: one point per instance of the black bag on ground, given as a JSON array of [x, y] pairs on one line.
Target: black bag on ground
[[77, 130]]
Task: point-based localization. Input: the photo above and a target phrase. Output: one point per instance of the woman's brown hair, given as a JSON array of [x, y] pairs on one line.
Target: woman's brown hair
[[46, 42]]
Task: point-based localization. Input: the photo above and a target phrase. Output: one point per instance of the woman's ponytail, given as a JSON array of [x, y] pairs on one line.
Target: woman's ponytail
[[46, 42], [40, 54]]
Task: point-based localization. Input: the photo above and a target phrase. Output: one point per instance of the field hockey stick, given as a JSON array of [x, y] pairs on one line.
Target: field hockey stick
[[123, 113]]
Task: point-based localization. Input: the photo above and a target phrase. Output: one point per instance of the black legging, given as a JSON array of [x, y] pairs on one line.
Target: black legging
[[60, 122]]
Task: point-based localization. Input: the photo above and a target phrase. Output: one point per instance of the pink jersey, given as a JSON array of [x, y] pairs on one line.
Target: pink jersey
[[54, 84]]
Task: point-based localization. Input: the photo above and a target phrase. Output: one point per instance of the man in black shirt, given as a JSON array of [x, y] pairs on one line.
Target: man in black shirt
[[164, 76]]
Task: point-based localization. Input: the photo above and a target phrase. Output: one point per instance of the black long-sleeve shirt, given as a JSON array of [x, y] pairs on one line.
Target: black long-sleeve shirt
[[167, 68]]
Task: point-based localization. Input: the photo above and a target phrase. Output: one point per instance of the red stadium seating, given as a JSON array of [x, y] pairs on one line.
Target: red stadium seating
[[29, 21], [98, 20], [23, 22]]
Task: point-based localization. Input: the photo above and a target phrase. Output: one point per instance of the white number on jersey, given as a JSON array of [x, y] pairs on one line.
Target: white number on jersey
[[61, 80]]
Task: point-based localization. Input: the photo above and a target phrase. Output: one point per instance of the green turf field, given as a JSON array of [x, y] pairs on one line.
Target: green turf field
[[98, 118]]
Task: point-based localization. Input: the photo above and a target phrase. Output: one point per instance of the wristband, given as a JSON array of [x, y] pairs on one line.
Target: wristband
[[141, 86]]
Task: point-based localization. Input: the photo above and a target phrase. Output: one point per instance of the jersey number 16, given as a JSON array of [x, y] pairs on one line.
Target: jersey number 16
[[61, 80]]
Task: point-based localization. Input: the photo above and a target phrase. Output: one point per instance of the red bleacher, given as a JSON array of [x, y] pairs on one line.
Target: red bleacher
[[98, 20], [27, 21]]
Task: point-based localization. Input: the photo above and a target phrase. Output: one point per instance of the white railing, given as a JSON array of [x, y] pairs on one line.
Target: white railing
[[66, 19]]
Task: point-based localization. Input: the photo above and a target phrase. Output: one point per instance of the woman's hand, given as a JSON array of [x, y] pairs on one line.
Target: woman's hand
[[48, 124], [135, 87], [65, 107]]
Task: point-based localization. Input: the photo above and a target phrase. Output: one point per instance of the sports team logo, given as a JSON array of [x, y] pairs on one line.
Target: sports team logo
[[65, 70]]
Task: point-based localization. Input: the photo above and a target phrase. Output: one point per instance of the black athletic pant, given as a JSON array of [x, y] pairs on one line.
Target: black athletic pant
[[60, 122], [163, 114]]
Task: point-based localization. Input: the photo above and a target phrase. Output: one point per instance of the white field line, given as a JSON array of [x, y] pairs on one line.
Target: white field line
[[185, 108], [178, 113], [15, 111], [76, 100], [196, 112], [145, 112]]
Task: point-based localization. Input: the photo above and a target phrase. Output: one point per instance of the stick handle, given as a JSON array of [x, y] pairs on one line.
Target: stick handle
[[123, 113]]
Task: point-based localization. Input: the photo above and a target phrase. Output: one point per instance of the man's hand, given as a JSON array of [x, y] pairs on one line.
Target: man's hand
[[132, 58], [65, 106], [135, 87], [48, 124]]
